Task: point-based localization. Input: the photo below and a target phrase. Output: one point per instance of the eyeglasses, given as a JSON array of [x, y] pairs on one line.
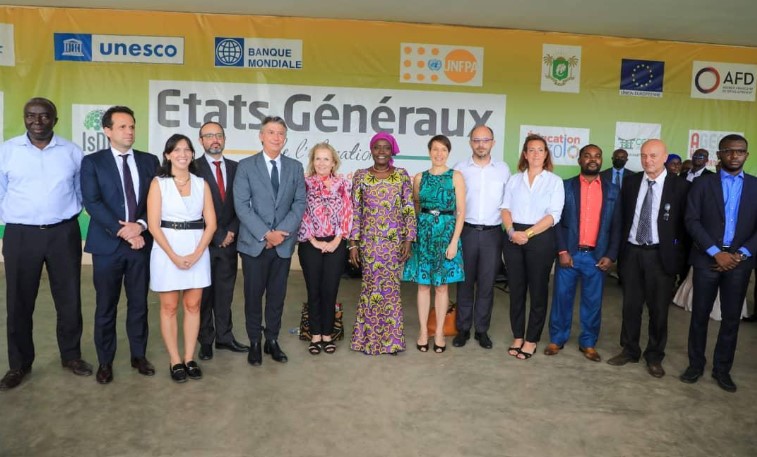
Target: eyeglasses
[[698, 156], [481, 140], [735, 152], [210, 136]]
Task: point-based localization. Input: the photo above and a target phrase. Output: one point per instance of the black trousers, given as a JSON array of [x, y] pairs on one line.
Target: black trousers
[[733, 286], [528, 268], [26, 250], [215, 309], [132, 268], [322, 275], [645, 282], [482, 253], [266, 274]]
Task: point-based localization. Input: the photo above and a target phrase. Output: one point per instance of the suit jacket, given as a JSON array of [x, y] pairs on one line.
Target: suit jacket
[[705, 217], [225, 213], [259, 211], [674, 240], [705, 172], [606, 175], [608, 238], [103, 198]]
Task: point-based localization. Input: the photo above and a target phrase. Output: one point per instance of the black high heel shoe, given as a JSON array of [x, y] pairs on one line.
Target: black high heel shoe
[[439, 349]]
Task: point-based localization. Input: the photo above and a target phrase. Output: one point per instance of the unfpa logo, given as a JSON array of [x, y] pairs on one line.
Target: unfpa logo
[[439, 64]]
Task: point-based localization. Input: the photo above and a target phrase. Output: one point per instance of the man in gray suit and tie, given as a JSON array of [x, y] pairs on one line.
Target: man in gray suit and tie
[[269, 198]]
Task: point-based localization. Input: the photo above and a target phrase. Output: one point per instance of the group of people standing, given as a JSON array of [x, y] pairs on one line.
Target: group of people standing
[[180, 225]]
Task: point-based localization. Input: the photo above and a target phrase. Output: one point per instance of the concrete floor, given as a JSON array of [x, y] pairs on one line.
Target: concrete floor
[[465, 402]]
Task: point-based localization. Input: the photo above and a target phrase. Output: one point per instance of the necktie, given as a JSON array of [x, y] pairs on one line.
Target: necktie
[[131, 197], [644, 229], [275, 178], [615, 174], [219, 180]]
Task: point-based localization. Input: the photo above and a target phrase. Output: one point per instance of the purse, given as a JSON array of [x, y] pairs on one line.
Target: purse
[[450, 321]]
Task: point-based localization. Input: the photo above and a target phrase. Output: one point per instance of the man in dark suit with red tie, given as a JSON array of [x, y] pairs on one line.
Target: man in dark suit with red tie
[[652, 207], [114, 185], [722, 220], [215, 311]]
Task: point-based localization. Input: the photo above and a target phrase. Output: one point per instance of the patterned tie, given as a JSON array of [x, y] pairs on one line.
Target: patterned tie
[[644, 229], [275, 178], [615, 174], [131, 197], [219, 180]]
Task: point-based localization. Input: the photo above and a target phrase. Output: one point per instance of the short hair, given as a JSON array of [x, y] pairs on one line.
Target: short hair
[[620, 150], [275, 120], [523, 163], [470, 134], [42, 101], [440, 139], [310, 170], [213, 122], [590, 145], [732, 137], [107, 120], [164, 171]]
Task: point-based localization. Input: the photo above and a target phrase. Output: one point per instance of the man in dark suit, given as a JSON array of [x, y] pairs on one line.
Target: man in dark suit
[[588, 237], [722, 220], [114, 185], [269, 198], [215, 311], [652, 206], [618, 173], [698, 163]]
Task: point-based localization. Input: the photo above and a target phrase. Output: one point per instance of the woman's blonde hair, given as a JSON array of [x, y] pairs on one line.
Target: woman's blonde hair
[[310, 171]]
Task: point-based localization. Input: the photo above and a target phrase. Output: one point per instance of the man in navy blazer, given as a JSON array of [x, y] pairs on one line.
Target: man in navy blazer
[[269, 198], [588, 237], [722, 219], [114, 184]]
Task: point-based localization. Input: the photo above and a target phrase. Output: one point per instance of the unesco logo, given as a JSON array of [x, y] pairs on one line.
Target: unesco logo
[[229, 52]]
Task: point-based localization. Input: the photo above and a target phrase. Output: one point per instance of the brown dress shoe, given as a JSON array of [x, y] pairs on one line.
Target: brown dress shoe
[[78, 367], [655, 369], [552, 349], [622, 359], [143, 366], [13, 378], [590, 353]]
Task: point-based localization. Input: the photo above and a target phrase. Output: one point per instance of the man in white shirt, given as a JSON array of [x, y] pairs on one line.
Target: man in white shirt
[[485, 179], [698, 163]]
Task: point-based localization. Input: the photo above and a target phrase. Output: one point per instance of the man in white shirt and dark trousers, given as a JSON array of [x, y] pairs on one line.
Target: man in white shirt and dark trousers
[[485, 180]]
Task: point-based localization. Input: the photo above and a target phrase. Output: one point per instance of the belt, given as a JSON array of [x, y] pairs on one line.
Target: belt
[[645, 246], [48, 226], [585, 248], [437, 212], [199, 224], [481, 228]]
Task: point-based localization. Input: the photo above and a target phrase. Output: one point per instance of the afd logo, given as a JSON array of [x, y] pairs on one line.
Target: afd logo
[[82, 47]]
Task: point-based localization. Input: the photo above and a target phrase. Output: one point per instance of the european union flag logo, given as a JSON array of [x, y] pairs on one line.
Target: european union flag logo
[[641, 78]]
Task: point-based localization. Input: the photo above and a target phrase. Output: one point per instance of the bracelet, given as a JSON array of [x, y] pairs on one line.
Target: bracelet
[[530, 233], [349, 248]]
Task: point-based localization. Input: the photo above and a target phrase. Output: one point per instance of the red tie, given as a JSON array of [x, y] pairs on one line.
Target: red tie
[[219, 179]]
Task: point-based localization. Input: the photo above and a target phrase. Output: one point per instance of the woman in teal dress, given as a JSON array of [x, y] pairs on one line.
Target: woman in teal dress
[[436, 259]]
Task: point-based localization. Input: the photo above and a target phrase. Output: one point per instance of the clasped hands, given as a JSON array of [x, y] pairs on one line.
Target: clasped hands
[[131, 232], [725, 261], [274, 238]]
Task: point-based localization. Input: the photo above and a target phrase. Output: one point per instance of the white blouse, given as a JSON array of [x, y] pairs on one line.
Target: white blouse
[[528, 204]]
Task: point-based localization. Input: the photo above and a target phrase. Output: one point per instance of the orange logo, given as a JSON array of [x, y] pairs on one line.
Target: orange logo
[[460, 66], [440, 64]]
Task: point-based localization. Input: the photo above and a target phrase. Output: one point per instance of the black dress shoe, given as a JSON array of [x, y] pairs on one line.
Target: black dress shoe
[[483, 340], [193, 370], [691, 375], [621, 359], [104, 374], [255, 356], [13, 378], [724, 381], [272, 347], [461, 338], [143, 366], [751, 318], [234, 346], [78, 367], [179, 372], [206, 352], [655, 369]]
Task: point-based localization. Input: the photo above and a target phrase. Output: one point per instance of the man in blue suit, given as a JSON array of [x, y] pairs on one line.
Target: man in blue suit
[[114, 185], [269, 198], [722, 220], [588, 238]]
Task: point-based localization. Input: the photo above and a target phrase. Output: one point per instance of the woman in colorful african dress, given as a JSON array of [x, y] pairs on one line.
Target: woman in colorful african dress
[[382, 232], [436, 259]]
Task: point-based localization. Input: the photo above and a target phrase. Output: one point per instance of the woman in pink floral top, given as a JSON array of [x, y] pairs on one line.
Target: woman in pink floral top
[[327, 220]]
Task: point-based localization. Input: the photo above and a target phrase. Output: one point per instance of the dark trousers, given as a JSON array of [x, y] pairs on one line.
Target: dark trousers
[[528, 268], [215, 310], [482, 254], [322, 273], [733, 286], [26, 250], [645, 281], [132, 268], [265, 274]]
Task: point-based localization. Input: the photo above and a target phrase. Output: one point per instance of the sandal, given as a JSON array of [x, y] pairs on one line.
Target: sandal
[[314, 348], [329, 347], [422, 347], [514, 350], [525, 355], [439, 349]]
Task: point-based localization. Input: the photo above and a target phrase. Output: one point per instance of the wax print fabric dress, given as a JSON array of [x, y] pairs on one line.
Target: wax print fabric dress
[[428, 264], [384, 217], [164, 274]]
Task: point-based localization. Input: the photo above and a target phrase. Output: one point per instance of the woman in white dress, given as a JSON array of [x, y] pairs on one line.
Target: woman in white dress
[[182, 220]]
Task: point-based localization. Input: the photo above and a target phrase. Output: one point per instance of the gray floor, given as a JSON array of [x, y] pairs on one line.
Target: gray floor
[[467, 401]]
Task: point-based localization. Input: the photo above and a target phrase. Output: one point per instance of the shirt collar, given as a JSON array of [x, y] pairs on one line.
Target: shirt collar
[[726, 175], [212, 159], [117, 154]]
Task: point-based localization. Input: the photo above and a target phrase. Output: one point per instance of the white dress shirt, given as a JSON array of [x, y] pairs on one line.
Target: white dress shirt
[[691, 175], [134, 174], [657, 198], [269, 166], [211, 161], [484, 188], [529, 203]]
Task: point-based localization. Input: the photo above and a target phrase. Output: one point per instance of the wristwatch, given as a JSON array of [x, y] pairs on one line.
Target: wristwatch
[[742, 256]]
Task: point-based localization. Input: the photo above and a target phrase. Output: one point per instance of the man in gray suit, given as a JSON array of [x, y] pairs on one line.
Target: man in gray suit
[[269, 198]]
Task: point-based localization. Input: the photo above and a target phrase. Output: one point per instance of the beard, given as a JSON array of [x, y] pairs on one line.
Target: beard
[[589, 172]]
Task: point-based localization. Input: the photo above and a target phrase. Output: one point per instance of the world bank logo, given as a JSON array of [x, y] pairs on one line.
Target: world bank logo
[[229, 52]]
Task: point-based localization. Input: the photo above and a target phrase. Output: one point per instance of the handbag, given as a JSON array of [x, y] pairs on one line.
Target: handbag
[[450, 321], [337, 333]]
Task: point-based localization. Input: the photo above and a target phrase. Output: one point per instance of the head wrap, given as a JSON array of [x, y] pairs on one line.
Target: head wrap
[[388, 137], [671, 157]]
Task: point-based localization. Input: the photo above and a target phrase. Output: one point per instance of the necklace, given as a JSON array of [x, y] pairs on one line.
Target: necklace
[[373, 169], [181, 182]]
